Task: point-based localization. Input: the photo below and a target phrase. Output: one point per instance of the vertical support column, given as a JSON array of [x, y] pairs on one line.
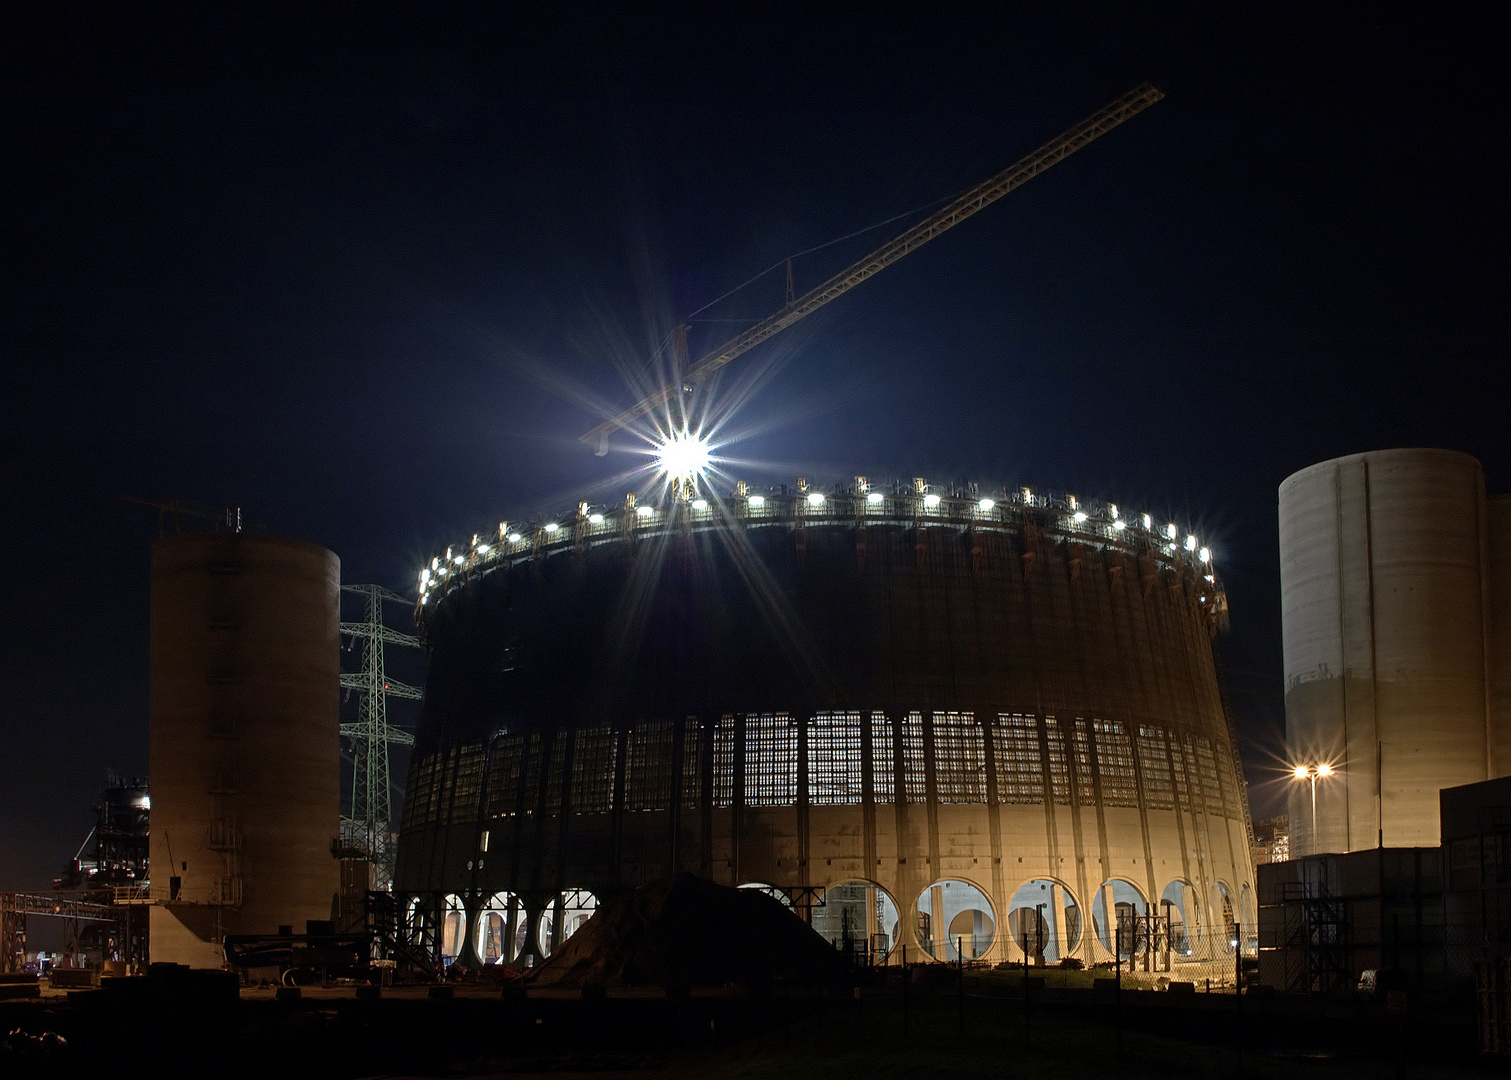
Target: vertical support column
[[1057, 917], [939, 931], [1109, 908], [801, 722]]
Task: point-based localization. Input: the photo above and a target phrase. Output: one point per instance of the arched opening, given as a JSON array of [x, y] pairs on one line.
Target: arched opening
[[955, 919], [418, 922], [1222, 903], [1127, 929], [491, 937], [857, 916], [1177, 905], [575, 907], [771, 891], [1045, 921], [1250, 928], [453, 928]]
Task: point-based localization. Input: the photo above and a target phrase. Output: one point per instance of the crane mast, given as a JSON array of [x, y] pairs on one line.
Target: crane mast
[[947, 217]]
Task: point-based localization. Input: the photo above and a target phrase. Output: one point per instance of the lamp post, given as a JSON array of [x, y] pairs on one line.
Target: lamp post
[[1310, 773]]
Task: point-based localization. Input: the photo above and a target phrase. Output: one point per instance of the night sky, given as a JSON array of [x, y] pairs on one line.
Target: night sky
[[352, 267]]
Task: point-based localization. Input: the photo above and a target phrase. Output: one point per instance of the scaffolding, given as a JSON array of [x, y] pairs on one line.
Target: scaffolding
[[367, 832]]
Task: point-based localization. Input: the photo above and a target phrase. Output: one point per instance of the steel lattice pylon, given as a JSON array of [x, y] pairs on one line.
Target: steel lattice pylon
[[369, 826]]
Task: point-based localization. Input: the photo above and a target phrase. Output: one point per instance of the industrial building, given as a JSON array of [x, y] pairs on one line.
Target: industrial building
[[971, 726], [244, 747], [1396, 612]]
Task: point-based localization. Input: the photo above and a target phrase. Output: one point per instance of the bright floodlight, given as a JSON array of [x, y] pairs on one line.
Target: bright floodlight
[[683, 456], [815, 499], [874, 498], [1324, 770], [1080, 516], [931, 501], [757, 500], [1300, 772], [595, 519], [986, 504], [700, 504]]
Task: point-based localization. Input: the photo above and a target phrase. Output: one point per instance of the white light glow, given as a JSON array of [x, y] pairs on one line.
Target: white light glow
[[514, 538], [1148, 522], [1300, 772], [815, 499], [1324, 769], [931, 500], [1190, 542], [986, 504], [1205, 554], [700, 504], [683, 457], [1171, 530], [1112, 511], [874, 498], [482, 549], [757, 500], [595, 519], [459, 559], [551, 526], [645, 511], [1119, 525], [1080, 516]]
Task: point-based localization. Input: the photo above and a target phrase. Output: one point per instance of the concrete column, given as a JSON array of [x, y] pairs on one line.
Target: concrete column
[[938, 929], [1057, 922], [1109, 908]]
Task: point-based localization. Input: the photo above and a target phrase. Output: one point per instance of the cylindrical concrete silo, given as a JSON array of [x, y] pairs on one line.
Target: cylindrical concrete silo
[[1384, 604], [245, 754], [1499, 651]]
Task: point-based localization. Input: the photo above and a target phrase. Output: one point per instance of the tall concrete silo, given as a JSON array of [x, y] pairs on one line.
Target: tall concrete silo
[[1385, 598], [245, 754], [1499, 650]]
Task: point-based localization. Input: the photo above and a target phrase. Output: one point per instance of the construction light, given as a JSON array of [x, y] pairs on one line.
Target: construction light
[[1080, 516], [482, 549], [1148, 522], [644, 511], [931, 500], [1190, 542], [1205, 554], [815, 498], [757, 500], [874, 499], [551, 526], [683, 456], [1112, 511], [986, 504], [595, 519], [1171, 531], [700, 504], [1120, 525], [514, 538]]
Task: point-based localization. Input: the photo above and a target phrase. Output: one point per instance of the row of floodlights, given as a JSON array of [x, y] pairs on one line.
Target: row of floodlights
[[442, 567]]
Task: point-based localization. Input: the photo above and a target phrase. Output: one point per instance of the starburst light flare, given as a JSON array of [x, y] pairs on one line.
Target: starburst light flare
[[683, 457]]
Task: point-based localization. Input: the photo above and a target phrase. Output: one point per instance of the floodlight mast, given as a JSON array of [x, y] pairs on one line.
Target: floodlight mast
[[947, 217]]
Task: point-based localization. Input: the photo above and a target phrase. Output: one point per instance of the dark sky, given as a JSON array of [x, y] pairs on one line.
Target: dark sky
[[334, 263]]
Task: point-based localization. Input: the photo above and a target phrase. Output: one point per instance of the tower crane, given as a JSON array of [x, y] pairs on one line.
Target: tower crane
[[911, 239]]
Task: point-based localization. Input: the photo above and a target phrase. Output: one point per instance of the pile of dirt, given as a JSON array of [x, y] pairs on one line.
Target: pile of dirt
[[691, 932]]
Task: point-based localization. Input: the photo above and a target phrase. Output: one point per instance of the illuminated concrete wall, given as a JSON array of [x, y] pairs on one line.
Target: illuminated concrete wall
[[245, 766], [974, 725], [1388, 587]]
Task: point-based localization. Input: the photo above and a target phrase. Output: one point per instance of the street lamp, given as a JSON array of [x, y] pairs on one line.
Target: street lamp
[[1311, 773]]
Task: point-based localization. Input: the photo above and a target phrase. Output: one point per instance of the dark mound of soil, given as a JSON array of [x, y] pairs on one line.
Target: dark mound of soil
[[691, 932]]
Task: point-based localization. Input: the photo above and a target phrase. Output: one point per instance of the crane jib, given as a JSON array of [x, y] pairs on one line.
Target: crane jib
[[948, 216]]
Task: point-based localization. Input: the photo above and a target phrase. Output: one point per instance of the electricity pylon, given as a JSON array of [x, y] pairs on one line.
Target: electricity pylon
[[372, 808]]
